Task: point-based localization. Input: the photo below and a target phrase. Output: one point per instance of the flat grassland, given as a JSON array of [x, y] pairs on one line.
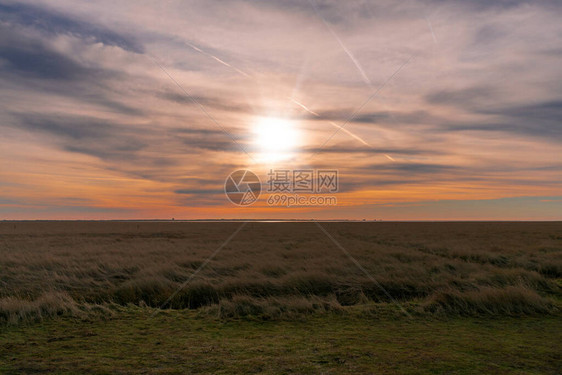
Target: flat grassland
[[106, 297]]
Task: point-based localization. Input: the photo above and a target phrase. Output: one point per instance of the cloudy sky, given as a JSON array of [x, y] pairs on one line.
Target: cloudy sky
[[141, 109]]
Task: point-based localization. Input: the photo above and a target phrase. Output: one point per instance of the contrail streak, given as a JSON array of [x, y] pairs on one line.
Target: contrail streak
[[349, 133], [431, 29], [389, 157], [357, 65], [304, 107], [334, 124], [356, 111], [300, 76], [347, 51], [217, 59]]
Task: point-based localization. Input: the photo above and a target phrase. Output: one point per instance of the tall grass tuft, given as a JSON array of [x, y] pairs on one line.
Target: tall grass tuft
[[273, 308], [14, 310], [512, 300]]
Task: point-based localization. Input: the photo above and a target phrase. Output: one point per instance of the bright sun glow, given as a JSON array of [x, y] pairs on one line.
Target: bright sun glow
[[276, 139]]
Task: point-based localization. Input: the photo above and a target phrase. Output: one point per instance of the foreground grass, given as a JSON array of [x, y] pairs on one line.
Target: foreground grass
[[183, 341]]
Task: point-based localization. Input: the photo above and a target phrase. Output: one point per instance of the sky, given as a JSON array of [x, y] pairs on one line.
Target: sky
[[428, 110]]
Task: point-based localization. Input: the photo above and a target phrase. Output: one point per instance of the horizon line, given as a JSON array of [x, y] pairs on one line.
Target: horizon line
[[287, 220]]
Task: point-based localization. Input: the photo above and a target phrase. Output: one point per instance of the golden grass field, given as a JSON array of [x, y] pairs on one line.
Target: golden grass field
[[278, 270]]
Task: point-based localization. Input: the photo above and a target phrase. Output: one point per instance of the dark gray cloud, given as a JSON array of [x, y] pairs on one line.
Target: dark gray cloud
[[488, 35], [213, 145], [360, 149], [398, 118], [550, 111], [541, 120], [342, 115], [347, 14], [371, 176], [29, 62], [89, 136], [335, 12], [208, 139], [50, 22], [467, 98], [206, 101], [120, 142], [196, 131], [74, 128], [551, 52], [28, 58], [551, 133], [491, 5], [31, 58]]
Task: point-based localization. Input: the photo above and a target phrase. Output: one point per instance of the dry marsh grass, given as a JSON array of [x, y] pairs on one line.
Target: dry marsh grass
[[278, 270]]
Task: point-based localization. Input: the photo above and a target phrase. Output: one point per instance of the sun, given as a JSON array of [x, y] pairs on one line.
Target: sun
[[276, 139]]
